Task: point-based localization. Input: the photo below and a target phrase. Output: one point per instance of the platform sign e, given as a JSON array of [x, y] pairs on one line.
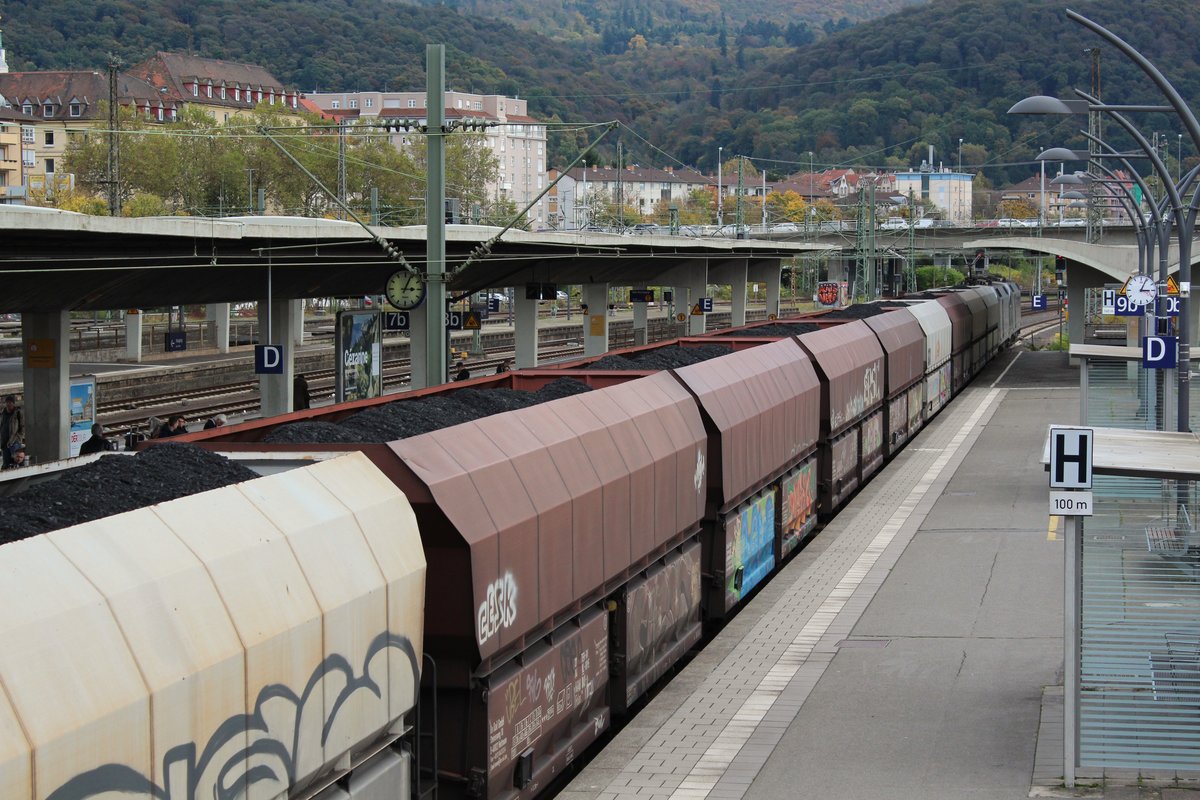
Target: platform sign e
[[1070, 458], [1039, 302]]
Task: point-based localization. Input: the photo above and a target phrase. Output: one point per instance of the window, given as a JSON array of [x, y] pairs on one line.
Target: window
[[49, 166], [259, 94], [28, 159], [173, 115], [412, 103], [237, 93], [222, 92], [479, 105], [27, 109], [195, 90], [160, 113], [354, 104], [295, 100], [76, 109], [370, 102], [271, 97], [335, 103], [27, 134], [48, 110], [49, 138], [208, 89]]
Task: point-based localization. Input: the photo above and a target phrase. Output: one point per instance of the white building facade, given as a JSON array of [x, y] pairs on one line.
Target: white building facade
[[517, 140], [949, 191]]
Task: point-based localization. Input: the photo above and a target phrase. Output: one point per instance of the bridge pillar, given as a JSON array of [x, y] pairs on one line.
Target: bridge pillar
[[1075, 306], [217, 315], [767, 272], [276, 390], [640, 315], [732, 274], [595, 323], [133, 335], [525, 331], [47, 381]]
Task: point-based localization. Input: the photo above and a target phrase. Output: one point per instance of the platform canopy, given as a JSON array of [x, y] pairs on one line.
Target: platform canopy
[[57, 260]]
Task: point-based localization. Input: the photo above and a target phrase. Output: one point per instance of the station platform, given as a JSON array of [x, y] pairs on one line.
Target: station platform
[[912, 650]]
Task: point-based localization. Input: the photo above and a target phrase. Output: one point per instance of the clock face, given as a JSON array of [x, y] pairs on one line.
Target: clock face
[[405, 290], [1141, 290]]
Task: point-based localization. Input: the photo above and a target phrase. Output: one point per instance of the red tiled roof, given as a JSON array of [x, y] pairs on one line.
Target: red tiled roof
[[172, 71], [61, 88]]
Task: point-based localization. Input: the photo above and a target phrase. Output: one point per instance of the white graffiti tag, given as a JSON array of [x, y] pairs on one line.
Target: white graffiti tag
[[499, 608], [698, 478]]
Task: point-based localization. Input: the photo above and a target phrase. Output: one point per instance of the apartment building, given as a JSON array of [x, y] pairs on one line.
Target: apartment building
[[516, 139], [12, 122], [65, 104], [950, 191]]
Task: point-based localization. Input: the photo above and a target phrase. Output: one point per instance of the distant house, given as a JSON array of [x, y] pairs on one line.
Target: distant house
[[65, 104], [225, 89], [951, 192], [642, 188]]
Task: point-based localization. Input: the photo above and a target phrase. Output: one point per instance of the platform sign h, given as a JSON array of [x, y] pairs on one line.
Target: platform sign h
[[1070, 458]]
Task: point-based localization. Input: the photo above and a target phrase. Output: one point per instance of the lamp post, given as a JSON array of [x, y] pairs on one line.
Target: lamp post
[[810, 177], [720, 193], [1179, 160], [960, 155]]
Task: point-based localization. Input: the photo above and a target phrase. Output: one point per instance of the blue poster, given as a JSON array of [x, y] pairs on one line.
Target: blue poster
[[82, 403]]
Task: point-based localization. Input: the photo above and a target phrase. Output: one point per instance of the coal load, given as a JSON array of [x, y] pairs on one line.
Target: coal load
[[114, 484], [856, 311], [405, 418], [661, 358], [779, 330]]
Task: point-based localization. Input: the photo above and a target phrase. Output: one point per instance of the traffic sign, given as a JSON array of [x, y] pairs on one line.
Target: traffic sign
[[268, 359], [772, 317], [396, 320], [1160, 352], [454, 320], [1167, 306], [706, 305], [1070, 458], [1124, 308], [681, 317], [1071, 504], [696, 312], [1108, 303], [1172, 285], [471, 321]]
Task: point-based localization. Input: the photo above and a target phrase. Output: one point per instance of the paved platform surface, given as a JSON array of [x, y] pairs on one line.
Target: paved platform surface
[[912, 650]]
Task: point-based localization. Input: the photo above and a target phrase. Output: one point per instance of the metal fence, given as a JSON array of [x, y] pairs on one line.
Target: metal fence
[[1139, 634]]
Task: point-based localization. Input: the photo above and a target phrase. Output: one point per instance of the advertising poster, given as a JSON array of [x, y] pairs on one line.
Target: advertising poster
[[82, 404], [359, 350]]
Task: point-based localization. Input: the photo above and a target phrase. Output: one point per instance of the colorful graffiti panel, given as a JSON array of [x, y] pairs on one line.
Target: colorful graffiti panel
[[749, 546]]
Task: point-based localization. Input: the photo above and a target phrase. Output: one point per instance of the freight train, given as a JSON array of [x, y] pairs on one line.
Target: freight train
[[468, 608]]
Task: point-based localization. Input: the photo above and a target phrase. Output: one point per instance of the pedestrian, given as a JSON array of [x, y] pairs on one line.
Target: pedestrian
[[502, 367], [17, 459], [97, 443], [216, 422], [175, 425], [300, 397], [12, 429], [463, 373]]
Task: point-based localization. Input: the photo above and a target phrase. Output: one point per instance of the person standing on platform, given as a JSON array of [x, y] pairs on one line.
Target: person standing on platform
[[12, 429], [463, 374], [300, 396], [502, 367], [17, 457], [96, 444]]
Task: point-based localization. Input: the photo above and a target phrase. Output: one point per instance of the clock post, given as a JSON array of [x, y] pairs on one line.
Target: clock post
[[429, 319]]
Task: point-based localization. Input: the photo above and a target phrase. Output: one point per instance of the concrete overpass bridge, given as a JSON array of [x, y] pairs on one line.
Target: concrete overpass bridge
[[55, 262]]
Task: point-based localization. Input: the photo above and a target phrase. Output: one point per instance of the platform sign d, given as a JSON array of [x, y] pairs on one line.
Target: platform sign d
[[268, 359], [1070, 458], [1160, 352]]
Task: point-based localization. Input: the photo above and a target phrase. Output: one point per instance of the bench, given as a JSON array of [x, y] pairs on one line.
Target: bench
[[1175, 669], [1173, 537]]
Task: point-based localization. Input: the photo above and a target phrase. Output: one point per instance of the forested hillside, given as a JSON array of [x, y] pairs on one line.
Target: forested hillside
[[876, 93]]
